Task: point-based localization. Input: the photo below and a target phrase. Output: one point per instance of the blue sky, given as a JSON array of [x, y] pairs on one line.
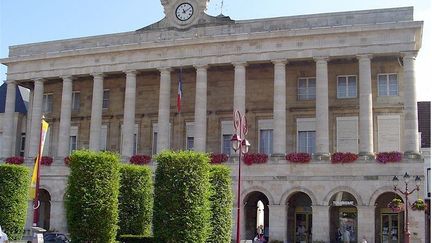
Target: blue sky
[[23, 21]]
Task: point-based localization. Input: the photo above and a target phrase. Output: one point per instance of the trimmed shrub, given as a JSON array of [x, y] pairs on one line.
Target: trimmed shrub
[[221, 201], [14, 193], [92, 196], [181, 203], [136, 239], [135, 200]]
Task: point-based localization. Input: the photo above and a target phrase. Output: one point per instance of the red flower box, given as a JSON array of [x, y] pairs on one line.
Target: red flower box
[[385, 157], [140, 159], [255, 158], [298, 157], [218, 158], [46, 160], [16, 160], [343, 157]]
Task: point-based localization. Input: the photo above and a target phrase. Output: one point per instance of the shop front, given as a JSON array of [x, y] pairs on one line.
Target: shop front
[[299, 218], [389, 223], [343, 218]]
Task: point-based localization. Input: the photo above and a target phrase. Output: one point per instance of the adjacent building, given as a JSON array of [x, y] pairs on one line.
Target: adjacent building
[[319, 84]]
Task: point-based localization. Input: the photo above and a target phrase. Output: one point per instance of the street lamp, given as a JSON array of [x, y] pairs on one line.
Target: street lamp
[[240, 144], [406, 193]]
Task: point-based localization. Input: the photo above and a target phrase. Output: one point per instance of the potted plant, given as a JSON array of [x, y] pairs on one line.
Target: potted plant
[[419, 205], [218, 158], [396, 205], [298, 157]]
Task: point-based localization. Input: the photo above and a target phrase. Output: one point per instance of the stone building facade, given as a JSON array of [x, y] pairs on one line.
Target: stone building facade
[[322, 83]]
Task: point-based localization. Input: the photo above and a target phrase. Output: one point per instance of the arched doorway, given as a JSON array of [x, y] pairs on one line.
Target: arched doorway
[[44, 209], [299, 218], [250, 214], [343, 217], [389, 225]]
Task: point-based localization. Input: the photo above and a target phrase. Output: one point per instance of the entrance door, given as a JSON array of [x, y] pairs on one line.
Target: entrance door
[[390, 228], [303, 226]]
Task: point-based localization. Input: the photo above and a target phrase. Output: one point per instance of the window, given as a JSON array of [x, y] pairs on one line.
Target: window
[[154, 147], [347, 86], [22, 143], [47, 143], [73, 139], [105, 102], [47, 103], [265, 131], [388, 133], [387, 85], [103, 137], [306, 135], [75, 101], [189, 135], [226, 134], [306, 88], [347, 134]]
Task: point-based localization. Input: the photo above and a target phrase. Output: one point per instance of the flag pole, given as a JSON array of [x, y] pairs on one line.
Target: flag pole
[[36, 203]]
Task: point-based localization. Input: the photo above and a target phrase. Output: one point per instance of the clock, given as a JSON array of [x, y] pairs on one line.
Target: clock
[[184, 11]]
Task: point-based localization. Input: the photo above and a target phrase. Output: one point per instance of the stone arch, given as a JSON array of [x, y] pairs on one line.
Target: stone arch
[[55, 194], [346, 189], [264, 191], [284, 198], [378, 192]]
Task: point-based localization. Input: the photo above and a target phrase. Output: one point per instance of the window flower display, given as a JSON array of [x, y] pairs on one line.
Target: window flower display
[[255, 158], [298, 157], [16, 160], [385, 157], [46, 160], [140, 159], [343, 157], [218, 158]]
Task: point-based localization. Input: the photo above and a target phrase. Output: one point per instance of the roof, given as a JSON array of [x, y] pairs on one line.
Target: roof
[[424, 122], [19, 102]]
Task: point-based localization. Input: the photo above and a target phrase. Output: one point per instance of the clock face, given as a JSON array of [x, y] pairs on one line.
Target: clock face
[[184, 11]]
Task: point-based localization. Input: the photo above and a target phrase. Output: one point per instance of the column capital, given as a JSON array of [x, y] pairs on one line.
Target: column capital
[[67, 78], [201, 66], [98, 75], [279, 61], [321, 58], [10, 81], [39, 80], [364, 56], [130, 71], [239, 64], [164, 69], [409, 54]]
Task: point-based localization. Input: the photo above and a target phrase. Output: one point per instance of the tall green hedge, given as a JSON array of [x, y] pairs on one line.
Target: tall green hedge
[[135, 200], [92, 196], [221, 201], [181, 203], [14, 195]]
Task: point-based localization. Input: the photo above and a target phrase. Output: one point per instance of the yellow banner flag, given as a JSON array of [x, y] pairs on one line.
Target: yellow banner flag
[[34, 179]]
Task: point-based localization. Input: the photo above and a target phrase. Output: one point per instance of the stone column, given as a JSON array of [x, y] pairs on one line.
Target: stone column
[[279, 108], [277, 222], [322, 108], [28, 124], [96, 112], [65, 117], [36, 117], [8, 120], [410, 104], [164, 110], [129, 114], [365, 98], [240, 87], [200, 127], [366, 227], [320, 223]]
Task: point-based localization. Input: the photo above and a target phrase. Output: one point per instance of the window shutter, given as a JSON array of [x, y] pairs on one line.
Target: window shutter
[[347, 134], [103, 137], [388, 133]]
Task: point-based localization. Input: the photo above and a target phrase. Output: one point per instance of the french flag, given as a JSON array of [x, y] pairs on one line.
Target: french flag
[[179, 91]]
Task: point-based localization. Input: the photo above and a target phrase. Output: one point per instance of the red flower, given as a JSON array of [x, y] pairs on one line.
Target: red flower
[[46, 160], [16, 160], [140, 159], [255, 158], [343, 157], [218, 158], [67, 160], [385, 157], [298, 157]]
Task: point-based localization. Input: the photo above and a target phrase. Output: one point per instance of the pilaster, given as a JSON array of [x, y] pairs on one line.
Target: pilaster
[[65, 117], [279, 108], [164, 109], [366, 229], [320, 223], [278, 222], [322, 108], [240, 86], [200, 129], [129, 114]]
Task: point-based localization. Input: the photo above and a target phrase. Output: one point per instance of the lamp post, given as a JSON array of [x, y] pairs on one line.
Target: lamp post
[[240, 144], [406, 193]]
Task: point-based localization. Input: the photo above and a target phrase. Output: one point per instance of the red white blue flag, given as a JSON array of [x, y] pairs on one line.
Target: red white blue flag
[[179, 91]]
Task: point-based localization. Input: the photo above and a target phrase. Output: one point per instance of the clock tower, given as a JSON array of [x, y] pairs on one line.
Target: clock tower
[[183, 14]]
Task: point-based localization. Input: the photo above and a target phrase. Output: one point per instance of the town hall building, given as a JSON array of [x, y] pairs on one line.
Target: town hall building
[[319, 84]]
